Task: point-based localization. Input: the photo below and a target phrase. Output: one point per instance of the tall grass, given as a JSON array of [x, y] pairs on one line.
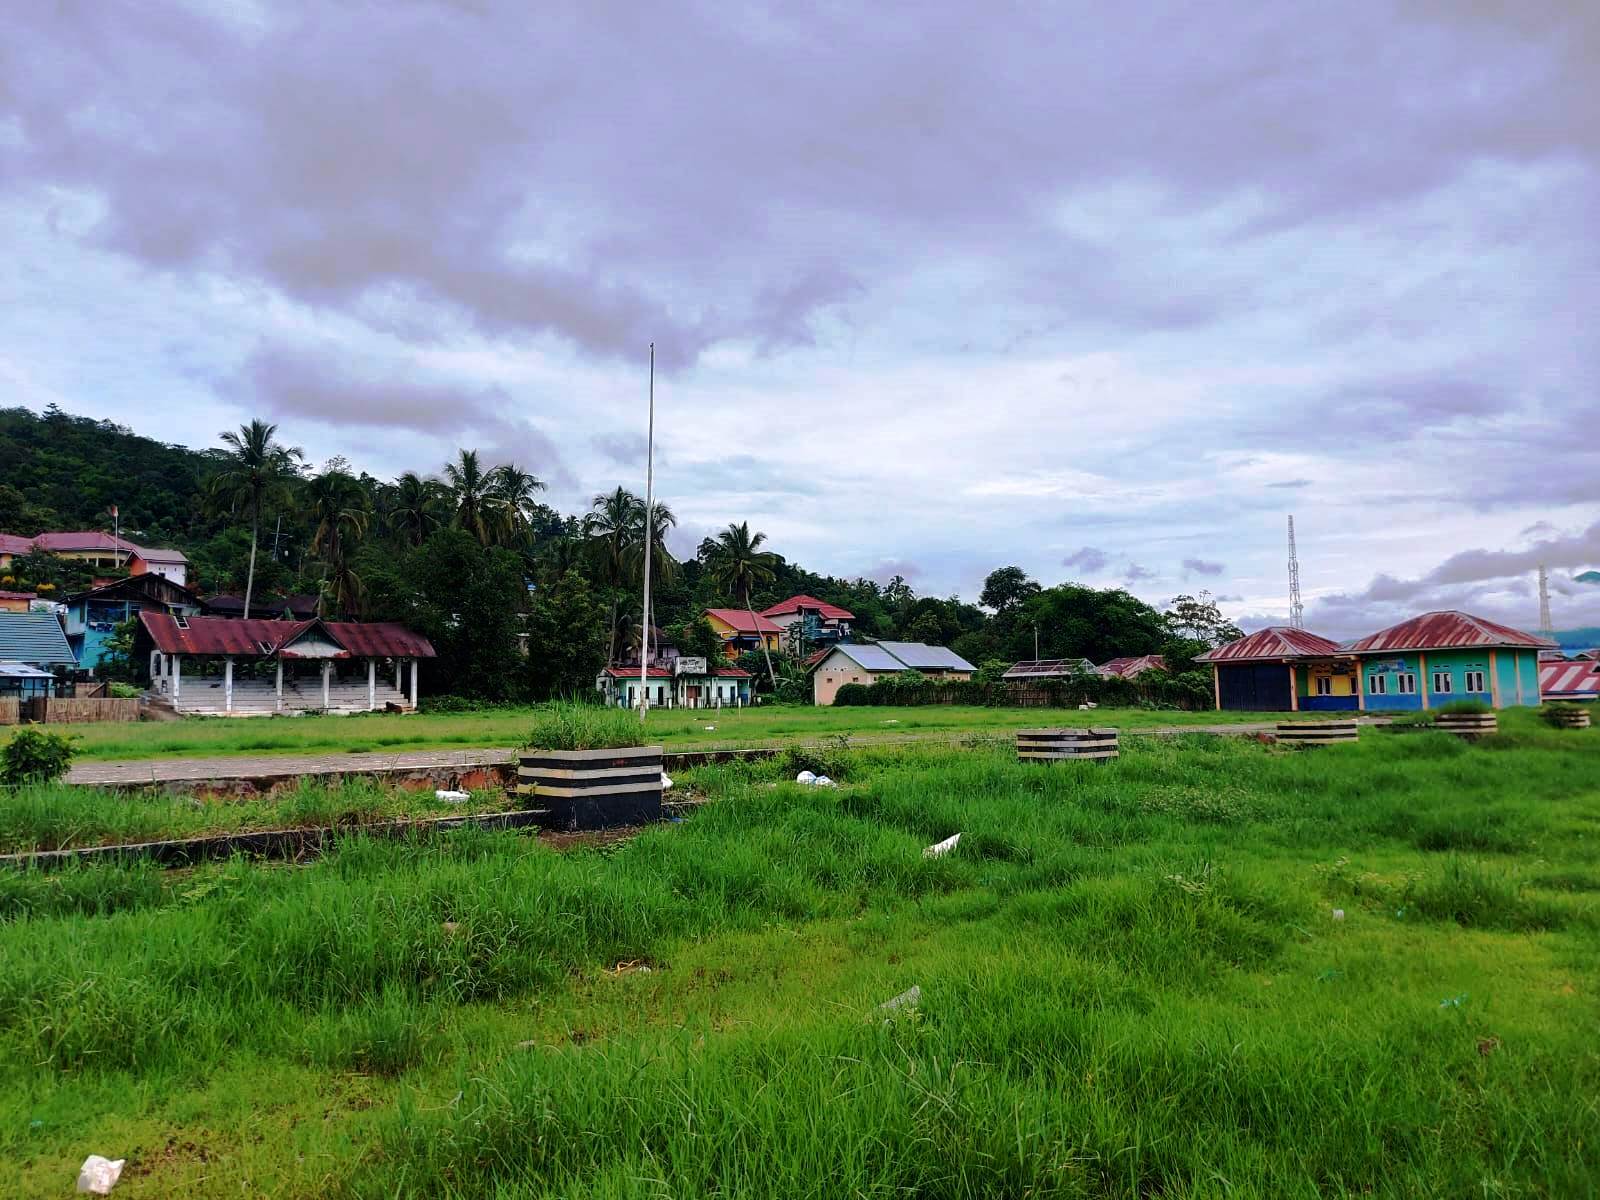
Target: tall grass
[[574, 725], [1131, 981]]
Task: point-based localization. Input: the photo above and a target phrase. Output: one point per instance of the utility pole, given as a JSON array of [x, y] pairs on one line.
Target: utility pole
[[1036, 641], [649, 537], [1547, 625], [1297, 610]]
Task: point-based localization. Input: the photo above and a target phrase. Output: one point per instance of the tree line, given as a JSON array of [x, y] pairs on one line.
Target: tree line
[[520, 600]]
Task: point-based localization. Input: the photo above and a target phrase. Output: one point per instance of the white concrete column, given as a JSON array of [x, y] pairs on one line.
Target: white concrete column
[[372, 684], [280, 685], [327, 669], [399, 668], [227, 684], [413, 683], [177, 674]]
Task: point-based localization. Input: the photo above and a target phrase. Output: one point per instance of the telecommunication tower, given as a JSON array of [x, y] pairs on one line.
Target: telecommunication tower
[[1297, 610], [1546, 625]]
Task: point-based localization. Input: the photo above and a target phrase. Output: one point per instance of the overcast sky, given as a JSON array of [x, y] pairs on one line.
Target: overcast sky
[[1103, 290]]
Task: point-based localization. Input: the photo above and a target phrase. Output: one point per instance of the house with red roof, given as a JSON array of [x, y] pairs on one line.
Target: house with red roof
[[99, 550], [1133, 666], [1420, 663], [742, 631], [232, 667], [683, 683], [808, 623]]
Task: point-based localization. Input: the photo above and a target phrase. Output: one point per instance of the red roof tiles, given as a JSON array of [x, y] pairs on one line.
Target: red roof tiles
[[831, 612], [1274, 643], [1448, 630], [742, 621]]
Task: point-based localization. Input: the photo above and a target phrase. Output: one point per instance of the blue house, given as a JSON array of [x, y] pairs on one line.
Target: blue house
[[92, 617], [32, 646], [1438, 657]]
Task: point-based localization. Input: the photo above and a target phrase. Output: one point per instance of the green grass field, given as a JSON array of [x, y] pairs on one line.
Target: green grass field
[[679, 728], [1132, 984]]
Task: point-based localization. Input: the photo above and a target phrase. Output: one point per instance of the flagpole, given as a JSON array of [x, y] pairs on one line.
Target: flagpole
[[649, 538]]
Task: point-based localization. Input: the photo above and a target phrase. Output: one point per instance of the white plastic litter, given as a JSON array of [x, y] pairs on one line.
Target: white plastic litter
[[99, 1175], [1338, 914], [666, 782], [940, 849], [450, 797], [909, 998], [709, 728], [891, 721], [805, 777], [824, 781]]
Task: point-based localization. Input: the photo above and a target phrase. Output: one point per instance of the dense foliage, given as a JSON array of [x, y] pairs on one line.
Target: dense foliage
[[34, 756], [520, 601]]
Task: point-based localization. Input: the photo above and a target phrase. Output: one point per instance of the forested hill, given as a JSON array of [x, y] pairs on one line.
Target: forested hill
[[64, 472]]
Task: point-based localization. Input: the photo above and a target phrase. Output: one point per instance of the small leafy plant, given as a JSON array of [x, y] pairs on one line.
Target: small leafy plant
[[34, 756], [1465, 708]]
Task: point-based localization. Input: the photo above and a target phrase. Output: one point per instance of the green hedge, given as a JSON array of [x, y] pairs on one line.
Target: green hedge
[[1190, 691]]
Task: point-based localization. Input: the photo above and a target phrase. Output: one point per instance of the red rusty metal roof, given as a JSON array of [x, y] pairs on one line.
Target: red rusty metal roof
[[257, 638], [663, 673], [1448, 630], [795, 603], [11, 543], [1570, 680], [1275, 643], [1127, 668], [742, 620]]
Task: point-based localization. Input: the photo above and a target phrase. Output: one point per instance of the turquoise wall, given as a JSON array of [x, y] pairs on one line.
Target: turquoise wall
[[1510, 667]]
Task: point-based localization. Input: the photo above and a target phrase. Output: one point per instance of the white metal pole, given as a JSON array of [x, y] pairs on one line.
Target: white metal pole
[[649, 534]]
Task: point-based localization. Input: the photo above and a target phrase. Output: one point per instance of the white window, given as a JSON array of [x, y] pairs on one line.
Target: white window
[[1475, 682], [1443, 684], [1324, 685], [1405, 683], [1377, 685]]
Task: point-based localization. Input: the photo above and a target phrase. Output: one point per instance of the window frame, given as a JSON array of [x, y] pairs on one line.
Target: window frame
[[1377, 685], [1405, 683], [1482, 678], [1448, 678]]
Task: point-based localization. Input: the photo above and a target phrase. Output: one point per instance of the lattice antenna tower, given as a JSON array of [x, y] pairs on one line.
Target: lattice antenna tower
[[1297, 610], [1546, 625]]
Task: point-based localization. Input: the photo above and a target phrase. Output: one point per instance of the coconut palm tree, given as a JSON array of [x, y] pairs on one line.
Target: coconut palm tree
[[609, 529], [469, 486], [256, 471], [339, 510], [418, 507], [736, 563], [663, 567], [511, 494]]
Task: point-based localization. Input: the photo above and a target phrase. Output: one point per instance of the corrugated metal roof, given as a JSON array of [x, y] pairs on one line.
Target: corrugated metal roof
[[795, 603], [11, 543], [1570, 680], [663, 673], [1447, 630], [162, 556], [1274, 643], [19, 595], [924, 657], [10, 670], [868, 658], [1127, 668], [34, 638], [1049, 668], [743, 621], [258, 638], [82, 539]]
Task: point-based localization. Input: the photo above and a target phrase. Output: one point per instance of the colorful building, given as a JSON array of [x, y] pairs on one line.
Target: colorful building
[[1420, 663], [687, 683], [33, 648], [742, 631], [1578, 679], [17, 601], [1280, 669], [100, 551], [1438, 657], [809, 622], [849, 663], [92, 617]]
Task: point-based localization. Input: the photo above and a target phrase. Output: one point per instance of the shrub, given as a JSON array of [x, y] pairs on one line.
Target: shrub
[[1464, 708], [34, 756], [572, 725], [124, 691], [1553, 711]]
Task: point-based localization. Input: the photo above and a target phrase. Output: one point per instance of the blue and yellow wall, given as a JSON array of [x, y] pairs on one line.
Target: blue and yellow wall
[[1343, 684], [1508, 677]]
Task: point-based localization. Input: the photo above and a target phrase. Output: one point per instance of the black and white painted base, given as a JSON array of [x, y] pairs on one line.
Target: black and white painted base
[[594, 789], [1317, 733], [1066, 745], [1467, 725]]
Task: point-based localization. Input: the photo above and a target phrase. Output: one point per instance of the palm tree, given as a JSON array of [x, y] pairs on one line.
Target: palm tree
[[256, 471], [663, 567], [469, 484], [736, 563], [418, 507], [609, 529], [339, 510], [511, 493]]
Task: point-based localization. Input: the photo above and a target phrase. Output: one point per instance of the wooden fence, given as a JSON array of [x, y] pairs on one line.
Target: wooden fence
[[10, 710], [76, 710]]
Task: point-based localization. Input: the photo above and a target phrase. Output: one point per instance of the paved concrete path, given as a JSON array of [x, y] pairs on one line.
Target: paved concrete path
[[269, 767]]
